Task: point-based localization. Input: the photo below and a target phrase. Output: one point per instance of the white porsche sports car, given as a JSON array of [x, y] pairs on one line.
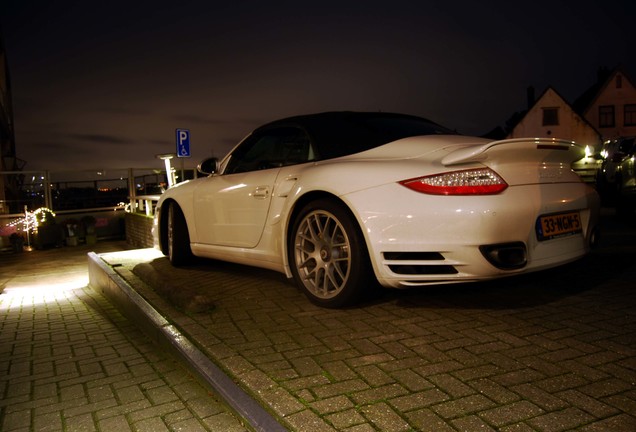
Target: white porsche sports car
[[338, 200]]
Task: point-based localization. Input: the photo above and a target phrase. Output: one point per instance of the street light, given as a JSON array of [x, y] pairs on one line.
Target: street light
[[170, 172]]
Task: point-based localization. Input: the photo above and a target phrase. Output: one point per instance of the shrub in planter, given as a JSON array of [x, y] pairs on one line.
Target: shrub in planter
[[89, 222], [47, 233], [44, 216], [73, 228], [47, 236]]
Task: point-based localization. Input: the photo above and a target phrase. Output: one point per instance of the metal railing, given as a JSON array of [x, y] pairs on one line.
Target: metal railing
[[87, 189], [70, 195], [146, 204]]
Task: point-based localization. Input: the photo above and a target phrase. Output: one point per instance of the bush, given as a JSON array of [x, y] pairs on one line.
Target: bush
[[44, 216]]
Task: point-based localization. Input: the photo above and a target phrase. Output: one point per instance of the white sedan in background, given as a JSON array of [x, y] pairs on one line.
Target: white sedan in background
[[338, 200]]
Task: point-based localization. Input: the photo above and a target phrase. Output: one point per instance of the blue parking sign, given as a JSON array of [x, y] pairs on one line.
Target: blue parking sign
[[183, 143]]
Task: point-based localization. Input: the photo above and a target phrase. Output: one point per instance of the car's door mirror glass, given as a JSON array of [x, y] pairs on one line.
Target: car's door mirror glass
[[209, 166]]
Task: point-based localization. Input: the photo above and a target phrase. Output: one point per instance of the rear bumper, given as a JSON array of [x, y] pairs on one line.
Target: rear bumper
[[417, 239]]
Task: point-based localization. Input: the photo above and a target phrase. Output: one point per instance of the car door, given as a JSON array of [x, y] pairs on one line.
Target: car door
[[231, 209]]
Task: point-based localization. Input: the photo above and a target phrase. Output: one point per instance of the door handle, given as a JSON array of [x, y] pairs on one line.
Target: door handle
[[261, 192]]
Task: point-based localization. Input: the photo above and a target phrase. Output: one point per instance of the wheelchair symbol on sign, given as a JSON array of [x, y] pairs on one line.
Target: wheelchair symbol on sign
[[183, 143]]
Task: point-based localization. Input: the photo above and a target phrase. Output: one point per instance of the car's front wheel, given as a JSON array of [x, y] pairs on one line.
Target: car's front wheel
[[328, 255], [179, 252]]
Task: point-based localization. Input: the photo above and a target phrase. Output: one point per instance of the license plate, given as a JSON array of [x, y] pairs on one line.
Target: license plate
[[558, 225]]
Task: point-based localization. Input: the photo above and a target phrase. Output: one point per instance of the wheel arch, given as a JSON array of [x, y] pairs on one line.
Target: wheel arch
[[162, 224], [361, 276], [297, 208]]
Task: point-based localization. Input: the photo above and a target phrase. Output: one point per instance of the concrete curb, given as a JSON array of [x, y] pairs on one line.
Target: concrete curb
[[103, 278]]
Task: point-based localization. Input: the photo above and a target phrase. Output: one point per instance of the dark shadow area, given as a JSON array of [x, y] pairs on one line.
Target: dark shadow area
[[196, 287], [162, 265]]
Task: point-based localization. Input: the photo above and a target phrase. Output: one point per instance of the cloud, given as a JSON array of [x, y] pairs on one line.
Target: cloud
[[99, 139], [189, 118]]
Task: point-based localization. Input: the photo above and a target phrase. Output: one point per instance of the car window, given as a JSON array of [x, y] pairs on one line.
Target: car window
[[343, 134], [271, 148]]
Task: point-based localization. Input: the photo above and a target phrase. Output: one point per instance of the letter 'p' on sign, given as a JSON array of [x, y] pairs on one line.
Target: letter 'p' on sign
[[183, 143]]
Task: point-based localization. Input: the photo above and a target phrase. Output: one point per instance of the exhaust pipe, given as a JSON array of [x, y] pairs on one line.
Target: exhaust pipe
[[506, 256]]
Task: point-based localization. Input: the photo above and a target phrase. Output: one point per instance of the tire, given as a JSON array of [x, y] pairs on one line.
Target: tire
[[179, 252], [328, 255]]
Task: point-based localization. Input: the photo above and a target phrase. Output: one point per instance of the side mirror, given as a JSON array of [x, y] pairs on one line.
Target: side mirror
[[209, 166]]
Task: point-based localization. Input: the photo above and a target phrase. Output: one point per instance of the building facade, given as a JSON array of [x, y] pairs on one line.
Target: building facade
[[7, 142], [552, 117], [607, 110], [603, 113], [611, 109], [8, 161]]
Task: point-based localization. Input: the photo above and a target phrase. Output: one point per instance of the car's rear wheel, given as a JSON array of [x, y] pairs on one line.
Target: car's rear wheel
[[328, 255], [179, 251]]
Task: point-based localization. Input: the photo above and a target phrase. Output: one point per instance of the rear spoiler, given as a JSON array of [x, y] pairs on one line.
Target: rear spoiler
[[562, 150]]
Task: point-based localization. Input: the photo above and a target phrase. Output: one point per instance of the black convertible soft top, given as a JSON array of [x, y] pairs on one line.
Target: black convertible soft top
[[341, 133]]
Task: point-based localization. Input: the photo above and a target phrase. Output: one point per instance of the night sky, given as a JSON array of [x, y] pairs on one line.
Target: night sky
[[104, 84]]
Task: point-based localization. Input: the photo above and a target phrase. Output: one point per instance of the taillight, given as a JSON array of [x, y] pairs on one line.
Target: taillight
[[483, 181]]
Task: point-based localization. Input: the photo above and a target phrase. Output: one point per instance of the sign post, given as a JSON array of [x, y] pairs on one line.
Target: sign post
[[183, 143]]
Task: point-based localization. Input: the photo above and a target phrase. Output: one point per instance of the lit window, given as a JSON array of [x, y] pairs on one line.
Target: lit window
[[550, 116], [630, 115], [606, 116]]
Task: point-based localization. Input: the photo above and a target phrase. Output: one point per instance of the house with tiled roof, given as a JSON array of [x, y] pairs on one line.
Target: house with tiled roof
[[610, 104], [607, 110], [551, 116]]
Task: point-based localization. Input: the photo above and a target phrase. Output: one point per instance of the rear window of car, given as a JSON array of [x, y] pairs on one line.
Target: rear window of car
[[342, 134]]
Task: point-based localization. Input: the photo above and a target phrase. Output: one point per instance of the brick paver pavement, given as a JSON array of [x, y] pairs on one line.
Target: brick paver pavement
[[552, 351], [69, 361]]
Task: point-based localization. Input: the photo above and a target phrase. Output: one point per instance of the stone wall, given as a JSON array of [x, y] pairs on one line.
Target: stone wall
[[139, 230]]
